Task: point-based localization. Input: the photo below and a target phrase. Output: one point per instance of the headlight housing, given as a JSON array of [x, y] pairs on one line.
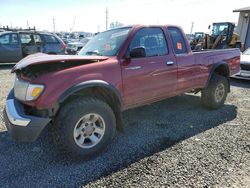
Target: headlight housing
[[34, 91], [26, 91]]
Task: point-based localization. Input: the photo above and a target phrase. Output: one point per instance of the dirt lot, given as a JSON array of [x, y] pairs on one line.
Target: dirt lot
[[173, 143]]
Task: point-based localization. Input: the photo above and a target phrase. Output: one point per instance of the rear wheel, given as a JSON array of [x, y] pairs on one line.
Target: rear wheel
[[215, 94], [84, 127]]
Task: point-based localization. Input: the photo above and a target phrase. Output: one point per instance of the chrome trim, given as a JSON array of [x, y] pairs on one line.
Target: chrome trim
[[170, 63], [133, 68], [13, 115]]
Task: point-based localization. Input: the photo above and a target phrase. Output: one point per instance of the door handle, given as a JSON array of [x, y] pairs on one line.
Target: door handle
[[133, 68], [169, 63]]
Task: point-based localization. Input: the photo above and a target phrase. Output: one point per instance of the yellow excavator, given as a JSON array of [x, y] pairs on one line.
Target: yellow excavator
[[222, 37]]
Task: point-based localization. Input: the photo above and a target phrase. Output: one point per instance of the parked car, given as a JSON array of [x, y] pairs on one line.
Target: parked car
[[82, 96], [244, 66], [14, 45], [74, 47]]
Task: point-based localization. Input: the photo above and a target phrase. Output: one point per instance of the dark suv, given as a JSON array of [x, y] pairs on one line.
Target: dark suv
[[14, 45]]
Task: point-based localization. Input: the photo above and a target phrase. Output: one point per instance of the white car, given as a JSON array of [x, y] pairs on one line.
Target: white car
[[244, 66], [74, 47]]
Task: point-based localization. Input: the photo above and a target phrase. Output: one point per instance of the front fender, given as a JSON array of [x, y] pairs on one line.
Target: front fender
[[89, 84]]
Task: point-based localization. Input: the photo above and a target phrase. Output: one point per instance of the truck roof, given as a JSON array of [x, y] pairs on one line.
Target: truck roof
[[6, 32], [144, 25]]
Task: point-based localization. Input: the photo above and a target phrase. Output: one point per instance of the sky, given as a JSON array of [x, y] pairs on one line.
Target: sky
[[89, 15]]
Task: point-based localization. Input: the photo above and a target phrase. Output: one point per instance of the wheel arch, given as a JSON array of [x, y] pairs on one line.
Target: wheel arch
[[98, 89], [220, 68]]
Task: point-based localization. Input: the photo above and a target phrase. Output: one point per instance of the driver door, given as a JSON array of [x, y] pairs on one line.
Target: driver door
[[148, 79]]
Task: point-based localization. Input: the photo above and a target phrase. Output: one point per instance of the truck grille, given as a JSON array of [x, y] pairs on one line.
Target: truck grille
[[245, 67]]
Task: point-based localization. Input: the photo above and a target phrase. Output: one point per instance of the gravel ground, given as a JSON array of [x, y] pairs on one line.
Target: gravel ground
[[173, 143]]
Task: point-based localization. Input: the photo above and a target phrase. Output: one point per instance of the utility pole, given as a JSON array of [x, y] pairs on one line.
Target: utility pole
[[107, 13], [192, 26], [54, 25], [27, 22]]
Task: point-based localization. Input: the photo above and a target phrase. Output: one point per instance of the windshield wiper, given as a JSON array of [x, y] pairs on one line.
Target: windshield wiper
[[93, 53]]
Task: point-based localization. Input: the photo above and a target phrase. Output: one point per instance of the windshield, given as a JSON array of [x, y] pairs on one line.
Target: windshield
[[246, 52], [198, 35], [219, 29], [107, 43]]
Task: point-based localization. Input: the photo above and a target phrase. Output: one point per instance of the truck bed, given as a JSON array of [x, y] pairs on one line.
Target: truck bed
[[211, 56]]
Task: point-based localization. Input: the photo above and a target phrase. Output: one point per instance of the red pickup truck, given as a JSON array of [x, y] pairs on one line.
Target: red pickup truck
[[81, 97]]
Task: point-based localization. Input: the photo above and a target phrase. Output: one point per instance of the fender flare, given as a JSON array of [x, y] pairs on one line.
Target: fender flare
[[89, 84], [214, 67], [101, 84]]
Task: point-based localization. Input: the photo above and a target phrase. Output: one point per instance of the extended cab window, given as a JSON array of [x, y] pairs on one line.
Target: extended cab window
[[177, 40], [152, 39]]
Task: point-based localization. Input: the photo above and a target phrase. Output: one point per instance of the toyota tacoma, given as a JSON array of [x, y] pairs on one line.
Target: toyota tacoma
[[82, 97]]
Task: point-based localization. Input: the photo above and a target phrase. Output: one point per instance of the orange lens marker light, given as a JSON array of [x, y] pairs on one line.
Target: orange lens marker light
[[36, 92], [179, 46]]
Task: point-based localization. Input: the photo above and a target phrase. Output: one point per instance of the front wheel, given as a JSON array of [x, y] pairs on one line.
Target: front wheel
[[215, 94], [84, 127]]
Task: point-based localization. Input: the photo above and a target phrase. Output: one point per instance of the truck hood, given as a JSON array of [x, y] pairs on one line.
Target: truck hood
[[56, 60]]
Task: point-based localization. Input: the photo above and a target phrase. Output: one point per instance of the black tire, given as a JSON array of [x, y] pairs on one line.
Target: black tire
[[209, 94], [67, 119]]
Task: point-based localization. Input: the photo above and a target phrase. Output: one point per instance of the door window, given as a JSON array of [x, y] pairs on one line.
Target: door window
[[5, 39], [37, 39], [152, 39], [50, 39], [26, 38], [9, 39], [14, 39], [177, 40]]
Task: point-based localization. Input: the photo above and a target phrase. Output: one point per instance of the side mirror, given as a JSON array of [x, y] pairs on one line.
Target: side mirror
[[209, 26], [137, 52]]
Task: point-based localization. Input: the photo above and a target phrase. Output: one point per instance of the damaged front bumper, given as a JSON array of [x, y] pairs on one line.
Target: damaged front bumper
[[20, 126]]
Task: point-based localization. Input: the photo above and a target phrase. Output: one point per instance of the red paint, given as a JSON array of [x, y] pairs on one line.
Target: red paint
[[154, 81]]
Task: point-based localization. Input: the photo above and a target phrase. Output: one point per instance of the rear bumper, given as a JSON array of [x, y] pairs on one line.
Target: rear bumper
[[20, 126], [243, 74]]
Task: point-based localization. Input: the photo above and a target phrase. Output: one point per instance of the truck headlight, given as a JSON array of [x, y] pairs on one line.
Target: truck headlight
[[26, 91], [34, 91]]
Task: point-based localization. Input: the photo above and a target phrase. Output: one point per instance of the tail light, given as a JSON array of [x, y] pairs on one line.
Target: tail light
[[63, 45], [64, 48]]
